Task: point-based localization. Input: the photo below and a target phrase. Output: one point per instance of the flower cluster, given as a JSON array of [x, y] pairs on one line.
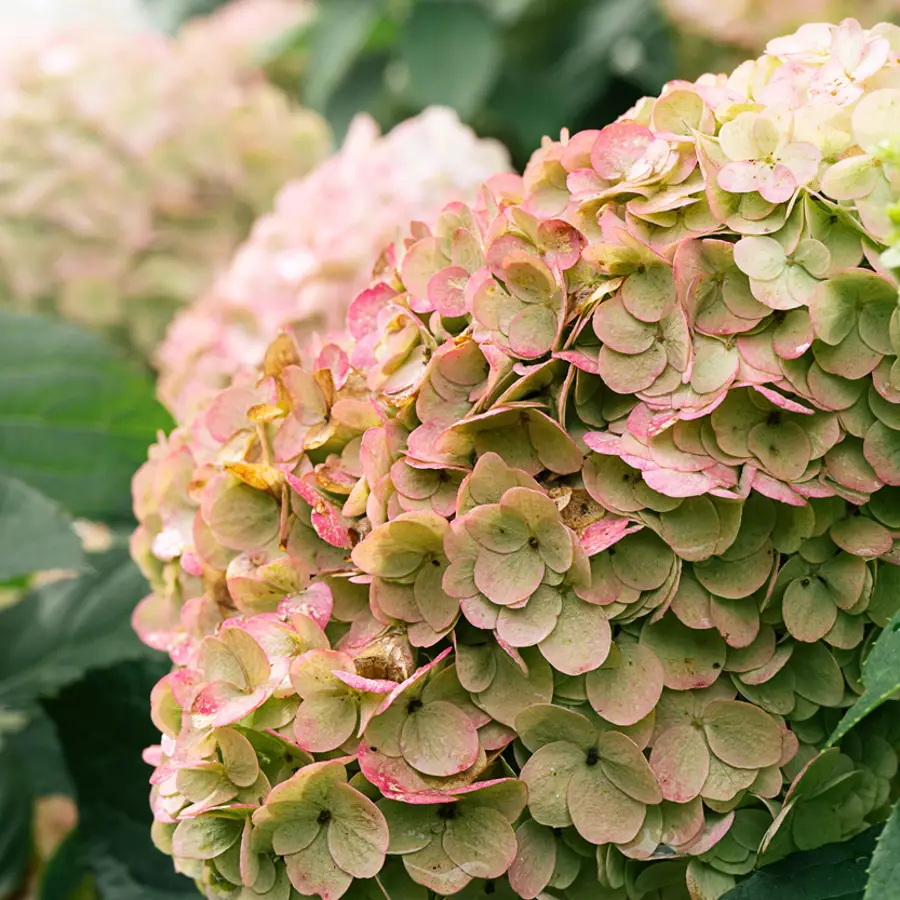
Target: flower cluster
[[553, 578], [304, 262], [713, 33], [132, 168]]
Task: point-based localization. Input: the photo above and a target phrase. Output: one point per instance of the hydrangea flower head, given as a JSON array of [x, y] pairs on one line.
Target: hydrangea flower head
[[133, 167], [306, 260], [553, 575]]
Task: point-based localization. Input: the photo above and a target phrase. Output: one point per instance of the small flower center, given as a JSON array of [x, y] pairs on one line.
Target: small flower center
[[533, 543], [324, 817], [593, 757], [414, 705]]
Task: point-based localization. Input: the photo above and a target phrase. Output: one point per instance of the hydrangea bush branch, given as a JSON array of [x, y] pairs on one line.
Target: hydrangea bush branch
[[306, 260], [133, 167], [552, 578]]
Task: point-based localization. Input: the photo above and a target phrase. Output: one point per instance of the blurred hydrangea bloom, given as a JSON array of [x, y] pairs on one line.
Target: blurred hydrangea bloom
[[554, 576], [715, 36], [308, 258], [132, 168], [241, 30]]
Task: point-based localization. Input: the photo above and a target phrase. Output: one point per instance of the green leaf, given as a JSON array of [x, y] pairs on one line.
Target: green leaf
[[66, 876], [104, 723], [56, 633], [339, 34], [15, 819], [452, 52], [881, 677], [39, 747], [361, 90], [36, 534], [884, 873], [835, 872], [75, 417]]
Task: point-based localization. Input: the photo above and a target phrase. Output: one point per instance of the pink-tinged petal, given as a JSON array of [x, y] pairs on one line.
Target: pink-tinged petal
[[618, 147], [782, 401], [678, 484], [507, 578], [562, 244], [680, 761], [602, 535], [604, 442], [480, 611], [394, 777], [228, 413], [803, 161], [153, 755], [362, 316], [579, 359], [776, 490], [777, 185], [742, 177], [223, 704], [371, 685], [439, 740], [418, 675], [715, 828], [322, 723], [581, 639], [316, 602], [532, 331], [629, 691], [446, 291], [336, 361]]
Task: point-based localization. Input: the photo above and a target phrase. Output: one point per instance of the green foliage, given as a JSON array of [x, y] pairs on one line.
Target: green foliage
[[884, 873], [59, 631], [15, 818], [36, 534], [880, 676], [516, 69], [104, 726], [835, 872], [67, 874], [75, 417]]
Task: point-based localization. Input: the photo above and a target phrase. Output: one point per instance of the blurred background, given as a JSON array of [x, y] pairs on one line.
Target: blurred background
[[139, 142]]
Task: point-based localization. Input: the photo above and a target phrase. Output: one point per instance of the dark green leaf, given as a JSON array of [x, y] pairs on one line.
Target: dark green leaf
[[76, 418], [884, 873], [881, 677], [104, 723], [39, 747], [835, 872], [340, 32], [611, 36], [452, 51], [66, 876], [15, 819], [361, 90], [52, 636], [36, 534]]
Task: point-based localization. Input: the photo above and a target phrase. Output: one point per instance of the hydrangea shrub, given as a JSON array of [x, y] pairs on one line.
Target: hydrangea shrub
[[133, 167], [552, 579], [307, 259]]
